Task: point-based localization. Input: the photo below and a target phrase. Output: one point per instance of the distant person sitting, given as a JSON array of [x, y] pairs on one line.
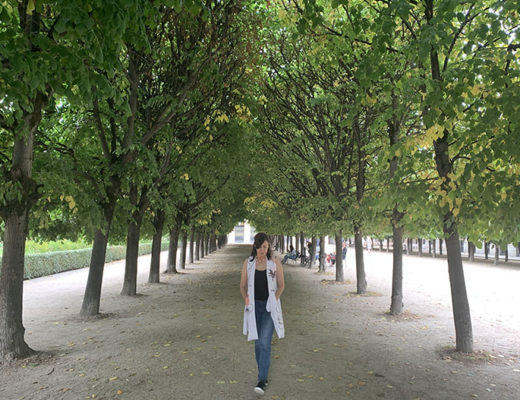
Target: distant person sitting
[[292, 254]]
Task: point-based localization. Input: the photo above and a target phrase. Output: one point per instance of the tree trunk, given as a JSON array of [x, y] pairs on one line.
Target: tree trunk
[[213, 239], [184, 244], [192, 244], [360, 263], [312, 256], [339, 260], [132, 256], [396, 306], [486, 250], [322, 254], [518, 249], [155, 262], [471, 251], [461, 311], [171, 264], [429, 247], [92, 297], [440, 246], [506, 254], [132, 241], [444, 166], [434, 244], [15, 215], [297, 242], [202, 245], [419, 244], [302, 243], [388, 245], [380, 245], [497, 254], [12, 343], [197, 247]]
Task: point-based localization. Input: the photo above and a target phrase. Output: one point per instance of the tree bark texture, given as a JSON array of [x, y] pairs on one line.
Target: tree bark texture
[[360, 263], [471, 251], [184, 244], [202, 245], [132, 256], [302, 243], [92, 297], [312, 256], [192, 245], [497, 254], [396, 305], [461, 311], [340, 276], [155, 261], [12, 343], [213, 240], [171, 264], [197, 247]]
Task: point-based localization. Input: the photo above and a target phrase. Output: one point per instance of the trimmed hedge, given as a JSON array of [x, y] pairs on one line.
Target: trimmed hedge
[[43, 264]]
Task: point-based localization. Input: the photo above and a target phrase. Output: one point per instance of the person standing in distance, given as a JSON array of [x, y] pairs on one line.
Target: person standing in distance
[[261, 285]]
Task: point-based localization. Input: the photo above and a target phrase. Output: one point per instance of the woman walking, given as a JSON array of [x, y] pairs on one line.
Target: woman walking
[[261, 285]]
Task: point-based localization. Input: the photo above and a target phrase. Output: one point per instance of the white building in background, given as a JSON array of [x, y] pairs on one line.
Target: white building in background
[[243, 233]]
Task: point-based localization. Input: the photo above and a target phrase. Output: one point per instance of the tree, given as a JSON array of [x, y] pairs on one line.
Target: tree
[[45, 51]]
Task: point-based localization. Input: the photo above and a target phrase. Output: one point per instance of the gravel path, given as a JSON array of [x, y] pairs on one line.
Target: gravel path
[[182, 339]]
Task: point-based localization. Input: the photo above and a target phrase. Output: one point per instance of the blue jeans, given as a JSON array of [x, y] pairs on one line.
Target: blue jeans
[[265, 328], [291, 256]]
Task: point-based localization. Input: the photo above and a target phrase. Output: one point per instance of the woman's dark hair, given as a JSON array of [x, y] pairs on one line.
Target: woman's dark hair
[[260, 238]]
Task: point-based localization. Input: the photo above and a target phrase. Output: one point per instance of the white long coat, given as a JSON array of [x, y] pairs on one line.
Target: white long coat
[[273, 306]]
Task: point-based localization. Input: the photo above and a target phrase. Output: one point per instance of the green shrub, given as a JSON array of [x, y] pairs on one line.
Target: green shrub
[[44, 264]]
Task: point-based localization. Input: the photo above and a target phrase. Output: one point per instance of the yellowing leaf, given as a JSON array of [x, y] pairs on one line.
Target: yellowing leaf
[[30, 7]]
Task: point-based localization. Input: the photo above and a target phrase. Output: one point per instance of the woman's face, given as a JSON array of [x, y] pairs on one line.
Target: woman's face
[[262, 250]]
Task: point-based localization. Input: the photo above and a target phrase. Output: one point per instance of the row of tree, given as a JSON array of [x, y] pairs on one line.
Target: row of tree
[[392, 117], [119, 119]]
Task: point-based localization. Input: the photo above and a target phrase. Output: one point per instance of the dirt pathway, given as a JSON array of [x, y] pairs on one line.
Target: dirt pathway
[[182, 339]]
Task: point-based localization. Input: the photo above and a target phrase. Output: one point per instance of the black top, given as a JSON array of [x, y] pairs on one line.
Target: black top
[[261, 289]]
